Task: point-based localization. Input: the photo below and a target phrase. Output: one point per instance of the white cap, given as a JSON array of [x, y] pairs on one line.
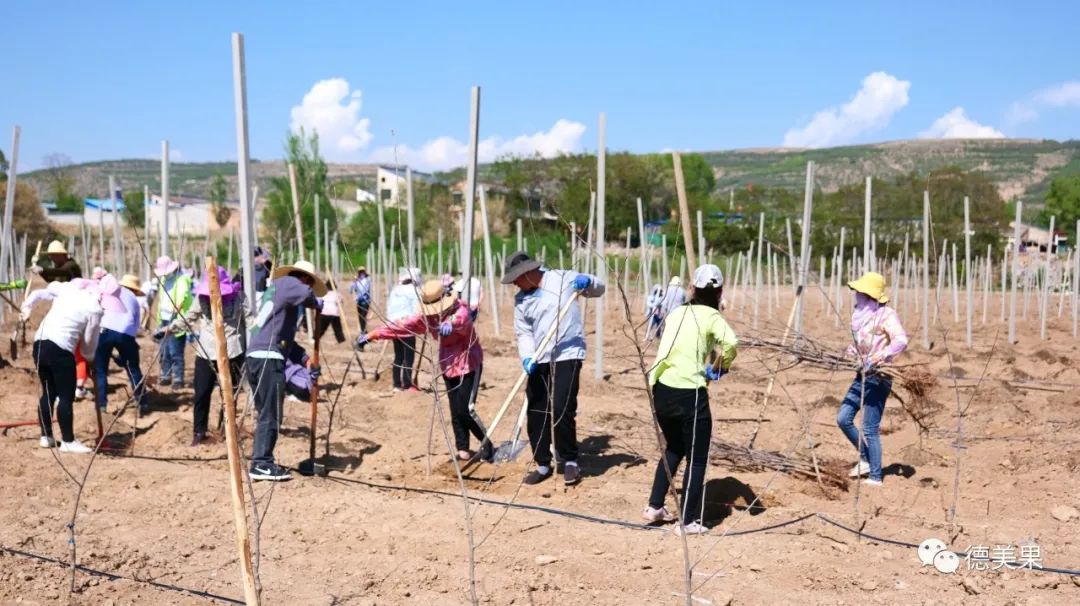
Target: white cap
[[708, 275]]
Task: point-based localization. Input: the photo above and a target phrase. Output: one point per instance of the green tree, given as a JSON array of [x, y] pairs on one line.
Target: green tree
[[1063, 202], [135, 210], [302, 151], [60, 181], [3, 165], [222, 214]]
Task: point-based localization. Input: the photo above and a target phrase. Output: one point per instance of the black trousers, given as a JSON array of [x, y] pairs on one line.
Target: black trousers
[[362, 313], [206, 380], [56, 370], [325, 322], [461, 391], [552, 391], [404, 355], [686, 422], [267, 378]]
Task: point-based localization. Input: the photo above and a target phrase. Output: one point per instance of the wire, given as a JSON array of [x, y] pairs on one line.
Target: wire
[[117, 577]]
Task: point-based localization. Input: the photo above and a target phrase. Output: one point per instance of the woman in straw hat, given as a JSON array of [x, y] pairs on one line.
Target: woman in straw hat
[[293, 287], [461, 358], [877, 338], [233, 305], [64, 268]]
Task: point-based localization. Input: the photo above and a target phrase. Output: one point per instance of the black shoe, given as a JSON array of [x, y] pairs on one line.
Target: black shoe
[[164, 381], [198, 439], [487, 452], [269, 471], [535, 477], [144, 410], [571, 474]]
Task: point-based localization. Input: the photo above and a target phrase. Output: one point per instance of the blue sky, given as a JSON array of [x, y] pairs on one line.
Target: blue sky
[[99, 80]]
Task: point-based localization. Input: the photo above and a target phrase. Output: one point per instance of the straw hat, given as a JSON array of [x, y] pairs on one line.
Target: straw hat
[[434, 299], [165, 266], [131, 283], [305, 267], [56, 248], [872, 285]]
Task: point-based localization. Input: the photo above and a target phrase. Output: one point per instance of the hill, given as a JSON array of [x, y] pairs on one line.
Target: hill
[[1019, 167]]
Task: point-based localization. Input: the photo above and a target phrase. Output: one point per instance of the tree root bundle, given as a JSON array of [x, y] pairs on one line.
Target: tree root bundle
[[741, 458]]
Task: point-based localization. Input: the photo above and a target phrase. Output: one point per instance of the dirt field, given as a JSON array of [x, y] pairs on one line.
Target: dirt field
[[161, 510]]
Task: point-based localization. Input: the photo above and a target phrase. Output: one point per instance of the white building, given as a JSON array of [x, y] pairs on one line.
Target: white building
[[390, 181]]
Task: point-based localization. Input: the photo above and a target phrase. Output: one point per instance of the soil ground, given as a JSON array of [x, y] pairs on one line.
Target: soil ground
[[159, 510]]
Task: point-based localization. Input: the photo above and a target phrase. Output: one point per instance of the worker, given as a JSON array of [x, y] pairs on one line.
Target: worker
[[446, 318], [402, 304], [118, 330], [361, 292], [552, 385], [175, 301], [653, 312], [293, 288], [878, 338], [331, 313], [64, 267], [679, 379], [233, 308], [72, 324]]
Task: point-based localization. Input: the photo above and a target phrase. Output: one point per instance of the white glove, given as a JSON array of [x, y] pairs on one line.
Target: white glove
[[34, 260], [24, 315]]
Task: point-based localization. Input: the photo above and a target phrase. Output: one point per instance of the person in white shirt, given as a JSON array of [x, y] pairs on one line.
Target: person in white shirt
[[73, 323], [402, 304], [331, 313]]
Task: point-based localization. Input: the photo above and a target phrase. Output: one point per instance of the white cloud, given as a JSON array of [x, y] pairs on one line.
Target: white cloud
[[333, 111], [447, 152], [1064, 94], [870, 109], [957, 125]]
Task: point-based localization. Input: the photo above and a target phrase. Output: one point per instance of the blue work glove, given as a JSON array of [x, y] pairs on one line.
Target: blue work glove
[[446, 328], [361, 341], [473, 313], [713, 374], [529, 365], [582, 282], [314, 370]]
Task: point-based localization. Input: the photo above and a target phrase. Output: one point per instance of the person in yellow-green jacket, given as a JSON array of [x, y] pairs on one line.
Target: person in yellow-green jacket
[[680, 399], [175, 299]]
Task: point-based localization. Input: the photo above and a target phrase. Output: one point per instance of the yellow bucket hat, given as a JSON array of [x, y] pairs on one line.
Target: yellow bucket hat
[[871, 284]]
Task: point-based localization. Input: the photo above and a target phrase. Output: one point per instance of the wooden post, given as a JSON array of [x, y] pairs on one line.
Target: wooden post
[[684, 210], [701, 236], [489, 267], [236, 485], [641, 247], [470, 194], [1015, 272], [601, 265]]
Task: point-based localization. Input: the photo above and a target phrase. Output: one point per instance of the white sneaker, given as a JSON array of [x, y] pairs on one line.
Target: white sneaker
[[75, 447], [46, 442], [657, 516], [861, 469], [691, 529], [81, 393], [869, 482], [292, 399]]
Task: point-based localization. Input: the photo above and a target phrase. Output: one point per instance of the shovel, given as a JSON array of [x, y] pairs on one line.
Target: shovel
[[508, 451], [311, 467]]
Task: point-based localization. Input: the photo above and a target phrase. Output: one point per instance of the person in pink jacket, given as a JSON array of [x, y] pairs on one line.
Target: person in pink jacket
[[461, 358]]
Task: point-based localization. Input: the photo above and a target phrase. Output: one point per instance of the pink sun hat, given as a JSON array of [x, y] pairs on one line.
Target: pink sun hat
[[228, 287], [165, 266]]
